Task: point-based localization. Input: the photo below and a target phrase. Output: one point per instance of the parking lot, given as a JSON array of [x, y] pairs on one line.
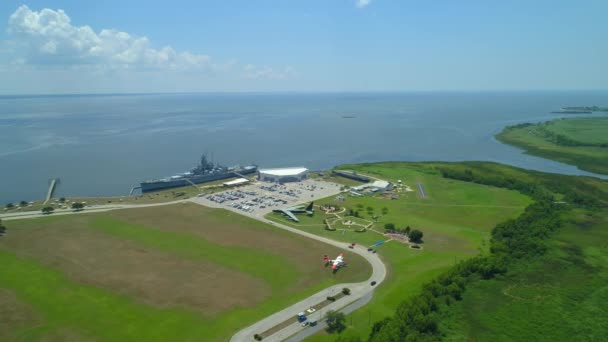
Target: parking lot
[[258, 199]]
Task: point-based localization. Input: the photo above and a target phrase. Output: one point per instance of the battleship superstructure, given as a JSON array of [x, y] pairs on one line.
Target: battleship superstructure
[[205, 171]]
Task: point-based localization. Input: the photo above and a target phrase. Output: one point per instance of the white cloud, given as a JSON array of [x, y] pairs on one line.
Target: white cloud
[[46, 53], [47, 37], [363, 3], [266, 72]]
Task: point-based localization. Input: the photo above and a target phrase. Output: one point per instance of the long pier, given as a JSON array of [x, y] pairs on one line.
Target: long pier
[[51, 190]]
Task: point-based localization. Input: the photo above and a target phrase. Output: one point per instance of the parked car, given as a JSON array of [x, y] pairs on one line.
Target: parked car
[[373, 283]]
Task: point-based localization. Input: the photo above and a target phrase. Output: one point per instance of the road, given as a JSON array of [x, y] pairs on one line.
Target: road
[[87, 210], [322, 324], [421, 190], [358, 291]]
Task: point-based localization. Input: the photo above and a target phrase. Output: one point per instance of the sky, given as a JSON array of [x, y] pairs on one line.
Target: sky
[[52, 47]]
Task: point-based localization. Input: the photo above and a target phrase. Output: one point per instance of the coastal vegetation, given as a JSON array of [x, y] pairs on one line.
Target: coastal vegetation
[[579, 141], [175, 272], [544, 277], [588, 108]]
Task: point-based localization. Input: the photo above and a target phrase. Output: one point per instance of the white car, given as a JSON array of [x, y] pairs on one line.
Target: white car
[[311, 310]]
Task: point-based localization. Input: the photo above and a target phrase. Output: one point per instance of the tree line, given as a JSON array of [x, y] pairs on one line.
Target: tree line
[[417, 318], [414, 235]]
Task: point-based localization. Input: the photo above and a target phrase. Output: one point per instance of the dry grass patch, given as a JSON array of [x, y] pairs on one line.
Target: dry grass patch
[[153, 277]]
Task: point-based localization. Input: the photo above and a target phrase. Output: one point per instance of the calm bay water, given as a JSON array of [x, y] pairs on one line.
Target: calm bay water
[[104, 145]]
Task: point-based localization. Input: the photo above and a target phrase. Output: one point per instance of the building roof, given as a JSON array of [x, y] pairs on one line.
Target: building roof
[[237, 181], [288, 171], [380, 184]]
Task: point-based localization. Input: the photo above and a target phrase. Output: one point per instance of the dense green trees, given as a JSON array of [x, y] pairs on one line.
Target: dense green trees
[[415, 236], [389, 227], [335, 321], [77, 206], [47, 210]]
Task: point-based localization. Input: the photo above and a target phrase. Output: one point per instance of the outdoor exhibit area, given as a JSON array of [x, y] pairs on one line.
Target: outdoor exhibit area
[[456, 219], [175, 272]]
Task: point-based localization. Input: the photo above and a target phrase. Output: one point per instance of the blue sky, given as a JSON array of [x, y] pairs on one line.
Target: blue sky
[[314, 45]]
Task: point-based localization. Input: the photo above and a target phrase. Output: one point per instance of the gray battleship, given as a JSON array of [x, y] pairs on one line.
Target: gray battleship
[[205, 172]]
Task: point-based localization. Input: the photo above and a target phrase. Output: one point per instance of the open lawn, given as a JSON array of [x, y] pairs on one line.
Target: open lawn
[[558, 140], [177, 272], [456, 219]]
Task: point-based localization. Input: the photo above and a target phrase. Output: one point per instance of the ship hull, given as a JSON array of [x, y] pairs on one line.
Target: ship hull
[[160, 185]]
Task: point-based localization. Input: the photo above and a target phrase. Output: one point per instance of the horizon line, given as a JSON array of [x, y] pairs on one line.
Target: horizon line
[[135, 93]]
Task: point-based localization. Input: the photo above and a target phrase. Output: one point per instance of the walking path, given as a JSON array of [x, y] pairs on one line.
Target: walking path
[[358, 291], [89, 209]]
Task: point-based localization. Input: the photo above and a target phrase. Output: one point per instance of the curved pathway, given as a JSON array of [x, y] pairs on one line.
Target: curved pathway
[[358, 291]]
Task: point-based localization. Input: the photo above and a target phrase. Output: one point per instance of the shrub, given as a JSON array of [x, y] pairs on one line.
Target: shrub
[[47, 210], [389, 227], [257, 337], [415, 236], [77, 206], [335, 321]]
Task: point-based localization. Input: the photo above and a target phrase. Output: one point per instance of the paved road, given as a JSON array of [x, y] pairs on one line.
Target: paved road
[[322, 324], [421, 190], [87, 210], [358, 291]]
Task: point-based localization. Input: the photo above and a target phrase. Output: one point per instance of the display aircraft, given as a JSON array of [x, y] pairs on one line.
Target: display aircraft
[[299, 209], [335, 263]]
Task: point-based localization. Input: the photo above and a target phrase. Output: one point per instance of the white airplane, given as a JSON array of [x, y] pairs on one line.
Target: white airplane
[[335, 263]]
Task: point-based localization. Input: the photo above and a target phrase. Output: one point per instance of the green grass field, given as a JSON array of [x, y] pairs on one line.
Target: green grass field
[[178, 272], [456, 219], [585, 130], [590, 131]]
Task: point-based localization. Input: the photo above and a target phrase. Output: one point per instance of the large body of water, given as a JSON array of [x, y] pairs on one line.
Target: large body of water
[[104, 145]]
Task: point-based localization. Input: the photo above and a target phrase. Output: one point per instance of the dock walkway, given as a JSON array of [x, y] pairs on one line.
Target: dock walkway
[[51, 190]]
